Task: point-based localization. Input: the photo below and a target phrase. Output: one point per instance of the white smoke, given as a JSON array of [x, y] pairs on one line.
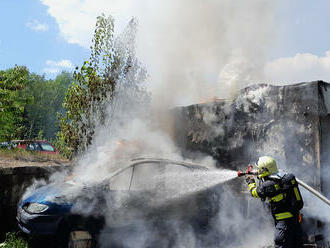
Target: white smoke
[[198, 50], [193, 51], [315, 209]]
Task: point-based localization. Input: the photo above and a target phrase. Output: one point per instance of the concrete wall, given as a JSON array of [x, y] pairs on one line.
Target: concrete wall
[[13, 182]]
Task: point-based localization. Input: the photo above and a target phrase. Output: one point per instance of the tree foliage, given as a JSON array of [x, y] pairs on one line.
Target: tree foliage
[[93, 86], [29, 103], [96, 82], [13, 100], [41, 114]]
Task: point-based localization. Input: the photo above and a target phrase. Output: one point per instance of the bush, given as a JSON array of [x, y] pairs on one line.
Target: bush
[[14, 241]]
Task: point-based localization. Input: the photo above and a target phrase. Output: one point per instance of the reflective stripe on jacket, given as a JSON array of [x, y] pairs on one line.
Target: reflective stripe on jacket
[[283, 195]]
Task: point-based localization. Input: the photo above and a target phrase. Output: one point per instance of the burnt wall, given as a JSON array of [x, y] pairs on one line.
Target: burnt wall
[[325, 154], [281, 121], [325, 137], [301, 125], [13, 182]]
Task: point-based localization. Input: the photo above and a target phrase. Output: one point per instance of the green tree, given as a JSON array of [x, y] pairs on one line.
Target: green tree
[[13, 100], [111, 61], [41, 114]]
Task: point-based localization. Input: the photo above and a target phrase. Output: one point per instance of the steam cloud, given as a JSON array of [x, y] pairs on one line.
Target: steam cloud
[[203, 49], [193, 51]]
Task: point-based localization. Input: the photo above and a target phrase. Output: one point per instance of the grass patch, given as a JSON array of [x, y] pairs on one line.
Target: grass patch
[[13, 240]]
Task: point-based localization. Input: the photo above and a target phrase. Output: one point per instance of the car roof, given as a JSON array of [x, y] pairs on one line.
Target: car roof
[[137, 161], [29, 141]]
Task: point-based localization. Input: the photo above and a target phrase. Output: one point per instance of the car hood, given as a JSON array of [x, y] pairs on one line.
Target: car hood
[[51, 193]]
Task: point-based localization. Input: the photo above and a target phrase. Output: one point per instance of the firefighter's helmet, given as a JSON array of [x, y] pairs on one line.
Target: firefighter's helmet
[[266, 166]]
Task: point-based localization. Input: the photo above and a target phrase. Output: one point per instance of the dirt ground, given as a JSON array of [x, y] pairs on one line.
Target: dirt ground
[[23, 158]]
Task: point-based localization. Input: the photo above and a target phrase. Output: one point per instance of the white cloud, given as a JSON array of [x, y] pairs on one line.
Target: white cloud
[[303, 67], [51, 70], [182, 53], [35, 25], [54, 67], [172, 42], [75, 19], [65, 63]]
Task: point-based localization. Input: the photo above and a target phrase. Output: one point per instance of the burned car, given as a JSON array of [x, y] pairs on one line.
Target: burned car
[[145, 190]]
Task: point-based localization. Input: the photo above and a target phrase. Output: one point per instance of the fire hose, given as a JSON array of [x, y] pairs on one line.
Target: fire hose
[[313, 191], [250, 171]]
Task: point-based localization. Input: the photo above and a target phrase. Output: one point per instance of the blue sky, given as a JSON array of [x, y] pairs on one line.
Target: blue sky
[[34, 34], [20, 44], [304, 27]]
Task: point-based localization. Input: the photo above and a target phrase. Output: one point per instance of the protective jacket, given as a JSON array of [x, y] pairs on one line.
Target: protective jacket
[[285, 201], [282, 193]]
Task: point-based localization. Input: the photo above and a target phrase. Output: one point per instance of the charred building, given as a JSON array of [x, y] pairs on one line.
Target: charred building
[[290, 123]]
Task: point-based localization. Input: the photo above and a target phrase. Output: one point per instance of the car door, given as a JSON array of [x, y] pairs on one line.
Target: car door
[[117, 199], [162, 189]]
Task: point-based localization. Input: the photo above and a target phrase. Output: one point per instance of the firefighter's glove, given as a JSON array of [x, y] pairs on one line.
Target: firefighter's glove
[[249, 179]]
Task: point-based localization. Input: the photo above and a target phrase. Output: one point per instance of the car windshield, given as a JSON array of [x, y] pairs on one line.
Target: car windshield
[[47, 147], [148, 176], [122, 181], [33, 147]]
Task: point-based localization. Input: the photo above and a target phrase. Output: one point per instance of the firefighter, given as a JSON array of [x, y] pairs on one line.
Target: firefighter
[[281, 191]]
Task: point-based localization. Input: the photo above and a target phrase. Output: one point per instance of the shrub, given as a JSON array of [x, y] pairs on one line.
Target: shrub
[[14, 241]]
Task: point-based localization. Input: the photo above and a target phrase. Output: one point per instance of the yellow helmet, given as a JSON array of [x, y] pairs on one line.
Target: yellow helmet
[[266, 166]]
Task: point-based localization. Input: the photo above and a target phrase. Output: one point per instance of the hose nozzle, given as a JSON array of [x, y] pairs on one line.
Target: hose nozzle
[[249, 171]]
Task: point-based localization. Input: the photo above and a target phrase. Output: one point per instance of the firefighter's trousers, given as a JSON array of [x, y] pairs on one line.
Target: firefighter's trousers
[[288, 234]]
